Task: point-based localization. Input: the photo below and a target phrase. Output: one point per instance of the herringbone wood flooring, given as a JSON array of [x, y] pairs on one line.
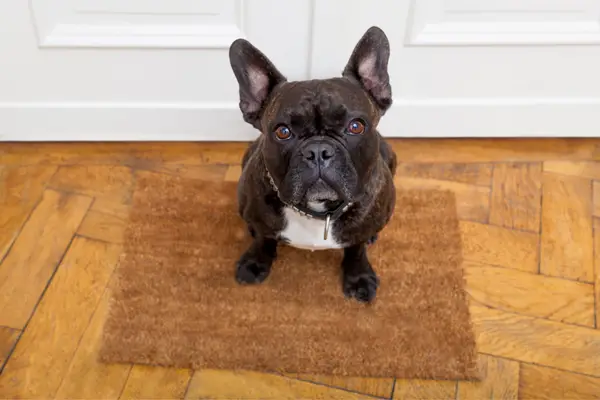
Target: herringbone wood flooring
[[528, 210]]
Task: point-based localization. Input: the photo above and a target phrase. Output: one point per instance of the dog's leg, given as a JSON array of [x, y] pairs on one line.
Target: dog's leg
[[359, 278], [255, 264]]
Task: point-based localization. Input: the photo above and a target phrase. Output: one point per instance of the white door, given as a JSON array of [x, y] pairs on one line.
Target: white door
[[476, 67], [159, 69], [137, 69]]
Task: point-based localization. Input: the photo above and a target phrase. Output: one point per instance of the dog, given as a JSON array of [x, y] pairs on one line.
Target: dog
[[320, 175]]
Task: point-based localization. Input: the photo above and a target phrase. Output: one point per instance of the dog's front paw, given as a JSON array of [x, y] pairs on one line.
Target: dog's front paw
[[250, 271], [362, 287]]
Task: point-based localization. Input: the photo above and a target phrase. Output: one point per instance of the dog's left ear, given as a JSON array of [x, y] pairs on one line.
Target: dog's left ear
[[368, 65], [256, 76]]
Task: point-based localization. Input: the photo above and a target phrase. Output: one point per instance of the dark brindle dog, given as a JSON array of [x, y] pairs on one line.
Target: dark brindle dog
[[320, 176]]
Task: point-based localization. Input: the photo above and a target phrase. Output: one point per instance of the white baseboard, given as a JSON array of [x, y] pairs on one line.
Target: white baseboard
[[506, 117], [123, 122], [560, 117]]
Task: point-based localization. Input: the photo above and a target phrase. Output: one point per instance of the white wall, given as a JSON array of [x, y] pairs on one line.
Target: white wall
[[159, 70]]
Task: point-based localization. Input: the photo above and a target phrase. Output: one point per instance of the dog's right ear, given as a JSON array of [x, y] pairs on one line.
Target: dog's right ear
[[256, 76]]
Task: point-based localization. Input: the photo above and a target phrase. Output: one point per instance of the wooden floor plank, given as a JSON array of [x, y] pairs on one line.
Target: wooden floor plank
[[21, 188], [551, 384], [472, 201], [46, 348], [111, 182], [419, 389], [24, 184], [205, 172], [216, 384], [566, 242], [103, 226], [233, 173], [537, 341], [472, 174], [378, 387], [494, 150], [156, 383], [596, 198], [106, 220], [597, 270], [526, 293], [516, 195], [500, 380], [584, 169], [133, 154], [107, 206], [494, 245], [8, 339], [25, 271], [86, 377]]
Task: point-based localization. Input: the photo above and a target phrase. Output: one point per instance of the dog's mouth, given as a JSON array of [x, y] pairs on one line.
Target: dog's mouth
[[322, 197]]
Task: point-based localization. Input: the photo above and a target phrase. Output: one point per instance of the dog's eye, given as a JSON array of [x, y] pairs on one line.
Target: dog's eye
[[283, 132], [356, 127]]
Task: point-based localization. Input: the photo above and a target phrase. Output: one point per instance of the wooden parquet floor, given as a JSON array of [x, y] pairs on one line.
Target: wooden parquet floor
[[528, 208]]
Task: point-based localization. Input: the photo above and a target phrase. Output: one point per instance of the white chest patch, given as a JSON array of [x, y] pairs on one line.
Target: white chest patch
[[306, 233]]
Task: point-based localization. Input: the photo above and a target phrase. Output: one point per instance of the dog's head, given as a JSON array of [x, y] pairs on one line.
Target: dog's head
[[320, 139]]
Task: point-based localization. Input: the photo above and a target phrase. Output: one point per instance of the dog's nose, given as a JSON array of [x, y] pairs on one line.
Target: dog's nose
[[318, 153]]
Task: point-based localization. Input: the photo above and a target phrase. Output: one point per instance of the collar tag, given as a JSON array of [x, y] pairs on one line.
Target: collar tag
[[327, 225]]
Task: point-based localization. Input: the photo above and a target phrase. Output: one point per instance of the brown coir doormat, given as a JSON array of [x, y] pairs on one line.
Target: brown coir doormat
[[176, 302]]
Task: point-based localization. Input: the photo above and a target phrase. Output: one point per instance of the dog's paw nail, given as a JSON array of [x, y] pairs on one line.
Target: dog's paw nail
[[362, 287], [251, 272], [362, 294]]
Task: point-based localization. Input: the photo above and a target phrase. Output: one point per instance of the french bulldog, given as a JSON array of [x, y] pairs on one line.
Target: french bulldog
[[320, 175]]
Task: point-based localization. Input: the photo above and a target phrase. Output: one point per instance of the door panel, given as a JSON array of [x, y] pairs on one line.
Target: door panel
[[131, 24], [474, 68], [473, 22], [137, 69]]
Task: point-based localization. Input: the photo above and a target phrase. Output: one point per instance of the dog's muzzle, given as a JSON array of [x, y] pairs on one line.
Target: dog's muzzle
[[323, 160], [328, 216]]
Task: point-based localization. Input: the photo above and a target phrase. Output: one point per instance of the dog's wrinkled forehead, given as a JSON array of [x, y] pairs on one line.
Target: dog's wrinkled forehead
[[316, 106]]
